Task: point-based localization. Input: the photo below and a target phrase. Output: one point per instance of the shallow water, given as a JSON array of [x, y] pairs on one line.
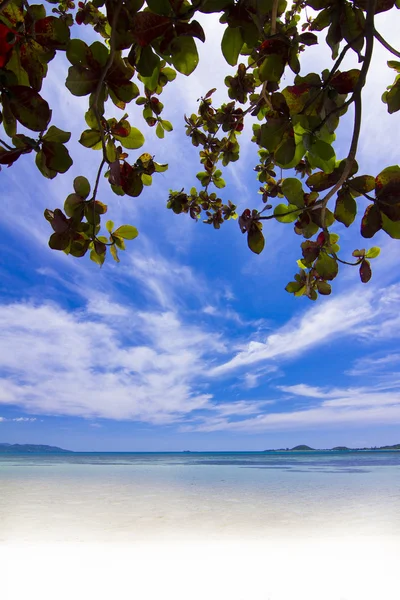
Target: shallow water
[[203, 496]]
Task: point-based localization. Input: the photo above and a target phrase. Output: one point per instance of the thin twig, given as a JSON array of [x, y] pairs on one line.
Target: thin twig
[[103, 75], [331, 74], [369, 38], [6, 145], [96, 185], [93, 199], [344, 262], [386, 44]]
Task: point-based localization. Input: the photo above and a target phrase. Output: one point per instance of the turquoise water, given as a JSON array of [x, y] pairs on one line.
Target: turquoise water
[[129, 496]]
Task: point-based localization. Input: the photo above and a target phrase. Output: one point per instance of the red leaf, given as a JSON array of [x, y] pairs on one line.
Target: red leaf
[[193, 29], [148, 26], [5, 45], [365, 271], [8, 157], [345, 83], [371, 221]]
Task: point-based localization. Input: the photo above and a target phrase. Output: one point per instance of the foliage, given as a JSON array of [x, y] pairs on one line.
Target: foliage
[[143, 45]]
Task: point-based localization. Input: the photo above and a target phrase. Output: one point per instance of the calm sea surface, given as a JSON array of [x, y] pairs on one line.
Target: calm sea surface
[[128, 497]]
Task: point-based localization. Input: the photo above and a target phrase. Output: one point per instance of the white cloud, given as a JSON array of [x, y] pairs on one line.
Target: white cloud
[[382, 366], [335, 406], [20, 419], [318, 324], [56, 362], [100, 304], [370, 314], [307, 419]]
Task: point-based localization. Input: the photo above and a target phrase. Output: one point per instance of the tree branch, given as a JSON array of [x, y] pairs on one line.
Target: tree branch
[[103, 75], [344, 262], [356, 98], [331, 74], [6, 145], [386, 44], [96, 185]]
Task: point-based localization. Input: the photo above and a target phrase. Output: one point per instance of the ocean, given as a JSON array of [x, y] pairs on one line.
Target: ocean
[[327, 516]]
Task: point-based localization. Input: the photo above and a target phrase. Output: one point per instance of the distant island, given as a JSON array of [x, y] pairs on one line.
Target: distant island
[[304, 448], [30, 449]]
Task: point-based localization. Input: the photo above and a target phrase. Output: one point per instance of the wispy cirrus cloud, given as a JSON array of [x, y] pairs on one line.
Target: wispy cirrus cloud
[[371, 314], [351, 407]]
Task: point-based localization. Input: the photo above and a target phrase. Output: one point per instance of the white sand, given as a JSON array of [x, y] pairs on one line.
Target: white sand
[[284, 569]]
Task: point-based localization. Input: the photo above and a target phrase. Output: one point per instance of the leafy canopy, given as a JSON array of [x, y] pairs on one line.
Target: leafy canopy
[[140, 47]]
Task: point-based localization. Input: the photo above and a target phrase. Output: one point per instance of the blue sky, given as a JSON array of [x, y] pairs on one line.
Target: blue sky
[[191, 341]]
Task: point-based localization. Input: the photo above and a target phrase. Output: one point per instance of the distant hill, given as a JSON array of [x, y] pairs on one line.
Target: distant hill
[[30, 449], [304, 448], [395, 447]]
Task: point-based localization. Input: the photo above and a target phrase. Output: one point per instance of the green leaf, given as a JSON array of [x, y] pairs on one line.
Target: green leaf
[[167, 125], [324, 288], [293, 191], [272, 68], [90, 138], [82, 186], [392, 97], [73, 203], [255, 238], [100, 53], [110, 226], [301, 265], [160, 133], [392, 228], [184, 55], [59, 241], [146, 179], [362, 184], [394, 64], [91, 119], [97, 258], [148, 62], [286, 214], [322, 155], [272, 133], [373, 252], [29, 108], [53, 134], [133, 141], [160, 168], [40, 161], [326, 266], [285, 152], [231, 44], [78, 53], [127, 232], [218, 182], [346, 208], [14, 65], [111, 150], [81, 81], [294, 286], [114, 253], [57, 156]]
